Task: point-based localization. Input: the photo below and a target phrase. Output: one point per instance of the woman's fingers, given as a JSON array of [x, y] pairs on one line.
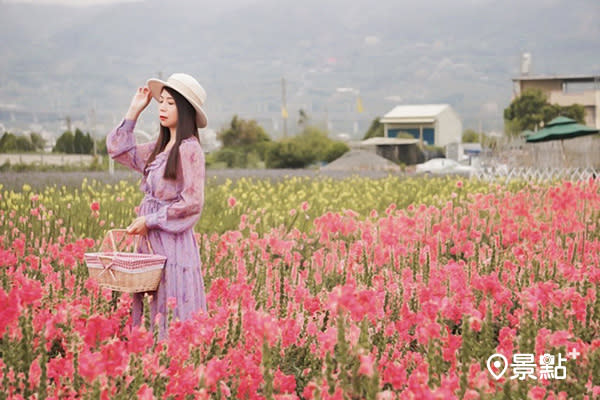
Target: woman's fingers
[[137, 227]]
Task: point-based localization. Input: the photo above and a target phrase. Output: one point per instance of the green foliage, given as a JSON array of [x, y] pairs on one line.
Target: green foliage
[[78, 143], [310, 146], [470, 136], [11, 143], [574, 111], [37, 141], [289, 153], [531, 110], [101, 147], [404, 135], [8, 142], [375, 130], [335, 151], [244, 145], [242, 133], [235, 157], [64, 144], [83, 144]]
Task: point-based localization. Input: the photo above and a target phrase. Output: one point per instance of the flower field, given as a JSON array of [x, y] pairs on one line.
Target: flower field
[[317, 289]]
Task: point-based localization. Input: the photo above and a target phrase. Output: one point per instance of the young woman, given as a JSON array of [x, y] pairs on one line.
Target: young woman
[[173, 185]]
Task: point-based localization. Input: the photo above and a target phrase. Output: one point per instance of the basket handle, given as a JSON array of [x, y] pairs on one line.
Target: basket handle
[[137, 240]]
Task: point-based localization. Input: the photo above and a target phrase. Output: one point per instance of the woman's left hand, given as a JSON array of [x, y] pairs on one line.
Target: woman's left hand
[[138, 226]]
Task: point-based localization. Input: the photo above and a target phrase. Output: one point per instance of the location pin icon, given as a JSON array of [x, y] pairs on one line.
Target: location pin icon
[[497, 362]]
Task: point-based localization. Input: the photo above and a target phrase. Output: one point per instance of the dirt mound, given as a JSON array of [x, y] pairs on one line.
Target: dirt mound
[[361, 160]]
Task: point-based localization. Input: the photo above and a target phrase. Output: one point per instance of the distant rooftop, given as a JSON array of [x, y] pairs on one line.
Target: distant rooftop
[[565, 78], [414, 113]]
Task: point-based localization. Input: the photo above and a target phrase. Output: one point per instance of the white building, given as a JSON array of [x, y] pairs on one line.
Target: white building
[[432, 124]]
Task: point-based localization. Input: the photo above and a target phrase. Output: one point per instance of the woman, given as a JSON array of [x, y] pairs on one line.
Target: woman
[[173, 184]]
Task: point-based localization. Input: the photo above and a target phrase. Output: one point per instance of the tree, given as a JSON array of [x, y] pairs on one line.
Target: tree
[[470, 136], [309, 146], [39, 143], [78, 143], [526, 111], [531, 110], [289, 153], [64, 144], [101, 146], [23, 144], [244, 144], [375, 130], [8, 143], [242, 133], [82, 144]]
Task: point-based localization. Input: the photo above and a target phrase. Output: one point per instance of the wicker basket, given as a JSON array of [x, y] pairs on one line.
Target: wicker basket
[[117, 269]]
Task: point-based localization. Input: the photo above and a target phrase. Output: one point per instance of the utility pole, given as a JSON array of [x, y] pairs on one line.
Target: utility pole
[[93, 123], [480, 134], [284, 113]]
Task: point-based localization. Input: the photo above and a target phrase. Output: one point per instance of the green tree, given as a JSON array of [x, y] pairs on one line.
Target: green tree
[[23, 144], [309, 146], [244, 144], [8, 143], [101, 146], [289, 153], [82, 143], [470, 136], [531, 110], [65, 143], [335, 150], [526, 111], [574, 111], [38, 141], [375, 130], [242, 133]]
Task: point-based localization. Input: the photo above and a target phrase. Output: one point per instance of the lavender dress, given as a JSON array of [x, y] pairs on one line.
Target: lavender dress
[[171, 208]]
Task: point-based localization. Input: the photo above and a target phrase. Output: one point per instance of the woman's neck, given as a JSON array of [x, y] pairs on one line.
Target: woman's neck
[[172, 139]]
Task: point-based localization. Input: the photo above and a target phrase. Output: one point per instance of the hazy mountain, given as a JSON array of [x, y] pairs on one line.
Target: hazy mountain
[[70, 59]]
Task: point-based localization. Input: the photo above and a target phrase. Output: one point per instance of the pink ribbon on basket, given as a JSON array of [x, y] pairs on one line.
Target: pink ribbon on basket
[[107, 267]]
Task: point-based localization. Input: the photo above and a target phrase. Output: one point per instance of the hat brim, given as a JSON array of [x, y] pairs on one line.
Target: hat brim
[[156, 86]]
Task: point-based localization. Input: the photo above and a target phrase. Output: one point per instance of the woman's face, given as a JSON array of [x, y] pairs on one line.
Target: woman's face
[[167, 110]]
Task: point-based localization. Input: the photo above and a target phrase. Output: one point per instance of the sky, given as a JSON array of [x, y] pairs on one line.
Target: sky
[[79, 3], [460, 52]]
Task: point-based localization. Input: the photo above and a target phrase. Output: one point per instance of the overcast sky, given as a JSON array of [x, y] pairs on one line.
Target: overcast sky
[[80, 3]]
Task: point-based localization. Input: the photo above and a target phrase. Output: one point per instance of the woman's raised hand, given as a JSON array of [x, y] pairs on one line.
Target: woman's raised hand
[[140, 101]]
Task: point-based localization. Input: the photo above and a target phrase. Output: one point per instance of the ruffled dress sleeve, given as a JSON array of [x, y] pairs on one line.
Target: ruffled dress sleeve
[[121, 146], [183, 213]]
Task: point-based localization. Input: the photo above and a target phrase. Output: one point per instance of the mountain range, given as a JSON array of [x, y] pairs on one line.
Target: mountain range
[[59, 61]]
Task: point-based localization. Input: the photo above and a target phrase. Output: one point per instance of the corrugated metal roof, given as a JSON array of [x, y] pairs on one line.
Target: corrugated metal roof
[[414, 112]]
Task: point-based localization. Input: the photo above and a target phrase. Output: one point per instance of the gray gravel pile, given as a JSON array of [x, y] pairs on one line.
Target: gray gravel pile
[[361, 160]]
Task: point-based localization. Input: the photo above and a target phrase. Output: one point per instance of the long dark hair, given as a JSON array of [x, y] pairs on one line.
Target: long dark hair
[[186, 128]]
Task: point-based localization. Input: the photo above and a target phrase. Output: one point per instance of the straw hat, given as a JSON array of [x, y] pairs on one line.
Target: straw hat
[[188, 87]]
